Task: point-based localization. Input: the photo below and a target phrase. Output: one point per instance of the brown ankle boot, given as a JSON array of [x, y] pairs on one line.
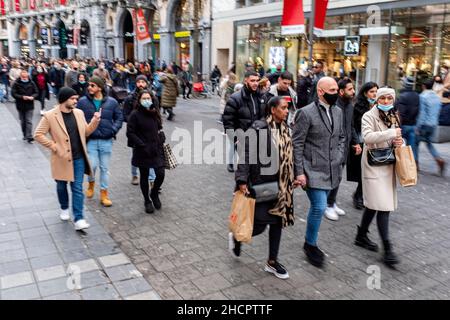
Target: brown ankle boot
[[90, 190], [441, 163], [104, 198]]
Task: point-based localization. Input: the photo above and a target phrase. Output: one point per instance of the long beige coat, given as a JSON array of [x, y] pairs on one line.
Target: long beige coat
[[379, 183], [61, 159]]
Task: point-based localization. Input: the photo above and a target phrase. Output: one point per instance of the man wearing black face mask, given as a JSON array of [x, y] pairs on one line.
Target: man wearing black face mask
[[243, 108], [319, 146]]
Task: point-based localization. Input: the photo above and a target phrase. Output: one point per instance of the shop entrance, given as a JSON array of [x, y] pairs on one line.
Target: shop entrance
[[128, 32], [23, 37]]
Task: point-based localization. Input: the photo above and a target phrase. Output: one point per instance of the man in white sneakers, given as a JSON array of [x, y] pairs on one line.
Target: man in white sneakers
[[68, 130]]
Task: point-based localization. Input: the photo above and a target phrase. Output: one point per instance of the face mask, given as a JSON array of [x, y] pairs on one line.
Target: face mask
[[385, 108], [39, 70], [331, 98], [371, 101], [82, 82], [25, 80], [147, 103]]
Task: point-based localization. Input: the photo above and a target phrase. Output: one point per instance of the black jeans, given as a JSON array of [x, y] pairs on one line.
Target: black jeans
[[382, 222], [183, 87], [42, 99], [359, 192], [26, 122], [274, 237], [160, 174], [331, 200]]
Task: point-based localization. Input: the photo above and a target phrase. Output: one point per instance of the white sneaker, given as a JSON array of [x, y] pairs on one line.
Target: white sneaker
[[81, 224], [64, 215], [331, 214], [42, 112], [338, 210]]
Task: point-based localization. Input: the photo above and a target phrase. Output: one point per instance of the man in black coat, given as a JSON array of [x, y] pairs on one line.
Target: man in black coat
[[57, 76], [344, 102], [243, 108], [408, 107], [25, 91], [317, 75]]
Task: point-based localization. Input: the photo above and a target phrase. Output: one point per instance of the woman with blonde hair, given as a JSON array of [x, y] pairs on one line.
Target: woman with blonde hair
[[264, 85]]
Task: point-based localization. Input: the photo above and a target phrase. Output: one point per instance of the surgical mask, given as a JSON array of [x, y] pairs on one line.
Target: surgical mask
[[39, 70], [371, 101], [331, 98], [146, 103], [28, 80], [385, 108], [82, 82]]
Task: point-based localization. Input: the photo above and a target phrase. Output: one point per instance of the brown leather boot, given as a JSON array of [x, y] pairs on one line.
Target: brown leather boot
[[441, 163], [90, 190], [104, 198]]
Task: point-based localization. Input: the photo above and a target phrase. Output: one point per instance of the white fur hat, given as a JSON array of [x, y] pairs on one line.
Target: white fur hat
[[385, 91]]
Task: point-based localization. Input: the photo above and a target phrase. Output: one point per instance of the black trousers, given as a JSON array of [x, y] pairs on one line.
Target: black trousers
[[144, 172], [274, 237], [26, 122], [382, 222], [42, 99], [189, 87]]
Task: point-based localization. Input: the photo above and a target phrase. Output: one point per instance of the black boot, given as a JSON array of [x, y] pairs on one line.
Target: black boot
[[358, 202], [155, 198], [363, 241], [390, 258], [149, 207], [230, 168], [315, 256]]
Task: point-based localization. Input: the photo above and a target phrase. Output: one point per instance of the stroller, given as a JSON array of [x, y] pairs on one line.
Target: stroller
[[201, 89]]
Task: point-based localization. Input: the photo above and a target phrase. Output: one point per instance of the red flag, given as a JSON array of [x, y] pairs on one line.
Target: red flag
[[2, 7], [33, 4], [142, 33], [319, 17], [62, 2], [293, 21], [17, 5]]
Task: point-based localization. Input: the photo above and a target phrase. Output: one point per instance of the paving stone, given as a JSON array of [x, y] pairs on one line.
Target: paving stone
[[102, 292], [92, 279], [150, 295], [188, 290], [11, 236], [64, 296], [122, 272], [114, 260], [50, 273], [46, 261], [84, 265], [55, 286], [183, 274], [14, 267], [212, 283], [27, 292], [243, 292], [132, 286], [75, 255], [16, 280]]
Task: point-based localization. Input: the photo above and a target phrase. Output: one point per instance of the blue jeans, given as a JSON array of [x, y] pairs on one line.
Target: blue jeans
[[425, 134], [99, 151], [77, 190], [318, 200], [409, 134], [151, 176]]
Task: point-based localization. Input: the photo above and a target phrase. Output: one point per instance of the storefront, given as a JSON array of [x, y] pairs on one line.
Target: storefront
[[419, 44], [183, 47], [24, 45]]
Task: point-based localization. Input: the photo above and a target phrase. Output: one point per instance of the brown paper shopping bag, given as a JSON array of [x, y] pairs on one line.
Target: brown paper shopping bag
[[405, 166], [241, 217]]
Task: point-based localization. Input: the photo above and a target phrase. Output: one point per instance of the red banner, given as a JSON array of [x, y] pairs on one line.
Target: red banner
[[2, 8], [293, 21], [319, 17], [141, 29], [17, 5], [47, 4], [62, 2], [33, 4]]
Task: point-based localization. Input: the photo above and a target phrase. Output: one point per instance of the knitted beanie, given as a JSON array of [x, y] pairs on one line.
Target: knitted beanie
[[98, 81], [65, 93]]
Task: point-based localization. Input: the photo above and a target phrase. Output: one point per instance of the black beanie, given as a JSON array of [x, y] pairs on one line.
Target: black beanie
[[141, 77], [65, 93]]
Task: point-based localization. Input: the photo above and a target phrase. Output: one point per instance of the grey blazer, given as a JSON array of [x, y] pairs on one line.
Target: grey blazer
[[319, 146]]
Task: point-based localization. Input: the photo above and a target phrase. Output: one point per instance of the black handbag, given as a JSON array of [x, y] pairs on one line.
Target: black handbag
[[381, 156], [266, 191]]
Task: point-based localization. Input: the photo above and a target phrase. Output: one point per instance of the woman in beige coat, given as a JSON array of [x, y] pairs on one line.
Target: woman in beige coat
[[380, 129]]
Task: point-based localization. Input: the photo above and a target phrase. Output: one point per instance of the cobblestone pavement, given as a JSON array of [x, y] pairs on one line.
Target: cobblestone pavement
[[39, 252], [182, 249]]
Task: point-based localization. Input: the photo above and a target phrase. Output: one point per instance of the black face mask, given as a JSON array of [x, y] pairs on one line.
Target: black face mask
[[330, 98]]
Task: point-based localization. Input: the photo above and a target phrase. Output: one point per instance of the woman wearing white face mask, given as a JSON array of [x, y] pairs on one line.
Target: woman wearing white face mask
[[146, 138], [380, 129]]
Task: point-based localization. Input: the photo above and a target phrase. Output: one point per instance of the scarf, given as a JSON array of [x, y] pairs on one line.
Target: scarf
[[390, 118], [282, 139]]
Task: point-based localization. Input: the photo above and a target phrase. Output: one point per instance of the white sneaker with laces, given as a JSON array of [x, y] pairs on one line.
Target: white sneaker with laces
[[338, 210], [64, 215], [331, 214], [81, 224]]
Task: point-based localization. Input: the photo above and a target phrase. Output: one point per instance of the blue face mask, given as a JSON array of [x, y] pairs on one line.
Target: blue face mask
[[82, 82], [385, 108], [371, 101], [146, 103]]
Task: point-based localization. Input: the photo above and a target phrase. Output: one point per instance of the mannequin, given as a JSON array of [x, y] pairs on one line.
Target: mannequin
[[411, 67]]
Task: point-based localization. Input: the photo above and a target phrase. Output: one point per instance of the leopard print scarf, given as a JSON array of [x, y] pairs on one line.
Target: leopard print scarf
[[282, 138]]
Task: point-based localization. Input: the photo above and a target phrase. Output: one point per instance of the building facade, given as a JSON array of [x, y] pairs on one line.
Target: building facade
[[367, 40], [107, 29]]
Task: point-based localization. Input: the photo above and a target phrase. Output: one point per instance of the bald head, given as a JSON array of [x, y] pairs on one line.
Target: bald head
[[327, 90]]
